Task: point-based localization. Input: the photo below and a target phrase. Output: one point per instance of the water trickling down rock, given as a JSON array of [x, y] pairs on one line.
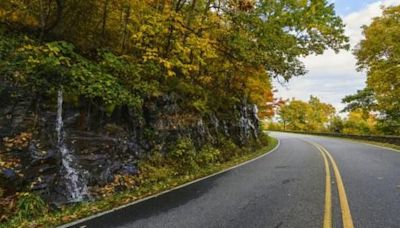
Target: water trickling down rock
[[89, 148], [75, 184], [248, 122]]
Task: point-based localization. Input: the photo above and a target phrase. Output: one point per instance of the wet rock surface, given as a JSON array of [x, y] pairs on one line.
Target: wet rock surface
[[101, 145]]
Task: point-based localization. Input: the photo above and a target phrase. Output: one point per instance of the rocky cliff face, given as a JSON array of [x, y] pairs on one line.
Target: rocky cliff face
[[61, 150]]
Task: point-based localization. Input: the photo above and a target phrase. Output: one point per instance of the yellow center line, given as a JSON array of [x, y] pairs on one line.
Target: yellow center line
[[344, 204], [328, 193]]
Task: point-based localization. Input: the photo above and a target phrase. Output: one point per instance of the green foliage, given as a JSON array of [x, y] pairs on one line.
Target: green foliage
[[364, 99], [360, 123], [318, 117], [336, 125], [214, 60], [274, 126], [379, 53], [184, 156], [30, 206], [154, 172], [305, 116], [45, 68], [229, 149], [184, 159], [208, 155]]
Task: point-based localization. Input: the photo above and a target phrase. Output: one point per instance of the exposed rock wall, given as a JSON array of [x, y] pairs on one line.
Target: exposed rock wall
[[102, 145]]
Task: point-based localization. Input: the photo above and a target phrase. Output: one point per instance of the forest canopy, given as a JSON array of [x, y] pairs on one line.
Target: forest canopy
[[214, 53]]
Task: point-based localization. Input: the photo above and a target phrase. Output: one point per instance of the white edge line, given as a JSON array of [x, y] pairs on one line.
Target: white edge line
[[349, 140], [361, 142], [169, 190], [374, 145]]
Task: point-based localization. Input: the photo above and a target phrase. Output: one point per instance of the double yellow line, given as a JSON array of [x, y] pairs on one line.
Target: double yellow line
[[344, 204]]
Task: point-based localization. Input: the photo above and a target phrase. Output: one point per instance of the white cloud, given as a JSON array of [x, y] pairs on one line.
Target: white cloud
[[355, 20], [332, 76]]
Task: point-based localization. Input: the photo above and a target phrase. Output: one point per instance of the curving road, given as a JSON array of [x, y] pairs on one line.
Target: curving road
[[286, 188]]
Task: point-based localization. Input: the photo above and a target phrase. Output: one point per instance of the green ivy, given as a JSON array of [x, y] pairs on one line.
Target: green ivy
[[45, 68]]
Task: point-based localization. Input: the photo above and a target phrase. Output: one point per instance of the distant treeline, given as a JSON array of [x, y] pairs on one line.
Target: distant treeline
[[316, 116]]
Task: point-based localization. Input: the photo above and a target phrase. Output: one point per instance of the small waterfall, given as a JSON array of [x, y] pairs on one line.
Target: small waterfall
[[248, 122], [75, 186], [215, 122], [256, 120], [255, 112], [200, 127], [225, 127], [244, 124]]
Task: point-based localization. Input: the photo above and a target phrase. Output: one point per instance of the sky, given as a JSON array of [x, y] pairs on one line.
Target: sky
[[332, 76]]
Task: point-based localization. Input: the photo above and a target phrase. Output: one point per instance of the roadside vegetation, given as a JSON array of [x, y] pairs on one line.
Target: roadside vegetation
[[157, 173]]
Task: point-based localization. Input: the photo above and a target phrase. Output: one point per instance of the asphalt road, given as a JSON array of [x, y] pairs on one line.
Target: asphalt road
[[286, 188]]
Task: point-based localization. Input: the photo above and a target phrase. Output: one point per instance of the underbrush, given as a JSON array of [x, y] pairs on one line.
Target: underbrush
[[158, 172]]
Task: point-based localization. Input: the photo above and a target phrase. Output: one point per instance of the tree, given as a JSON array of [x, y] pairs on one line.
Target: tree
[[319, 114], [313, 115], [336, 124], [215, 54], [379, 54], [293, 115], [364, 99], [359, 124]]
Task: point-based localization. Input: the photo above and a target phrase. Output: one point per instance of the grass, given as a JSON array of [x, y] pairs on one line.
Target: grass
[[155, 185]]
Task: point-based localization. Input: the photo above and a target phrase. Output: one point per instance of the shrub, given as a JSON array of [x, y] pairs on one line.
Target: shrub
[[156, 159], [229, 150], [208, 154], [150, 172], [183, 154], [30, 206]]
